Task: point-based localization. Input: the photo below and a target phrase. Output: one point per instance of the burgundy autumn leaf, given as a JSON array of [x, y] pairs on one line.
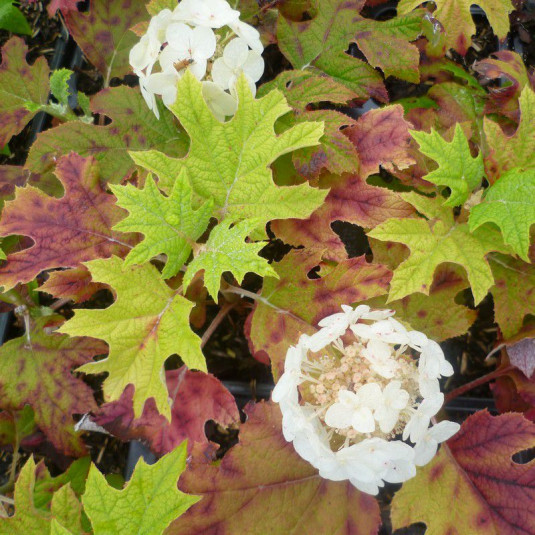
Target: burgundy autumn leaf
[[74, 284], [64, 5], [11, 176], [65, 231], [103, 33], [382, 139], [350, 199], [36, 370], [262, 486], [475, 486], [294, 303], [21, 85], [196, 398], [522, 355]]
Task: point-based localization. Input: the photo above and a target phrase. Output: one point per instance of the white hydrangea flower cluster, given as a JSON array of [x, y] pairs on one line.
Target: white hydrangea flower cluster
[[354, 394], [185, 39]]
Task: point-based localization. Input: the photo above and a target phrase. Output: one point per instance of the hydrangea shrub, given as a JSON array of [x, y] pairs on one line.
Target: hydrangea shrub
[[265, 168]]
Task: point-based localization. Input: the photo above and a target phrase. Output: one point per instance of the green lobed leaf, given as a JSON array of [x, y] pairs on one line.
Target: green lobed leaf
[[226, 250], [435, 241], [147, 505], [170, 224], [59, 85], [20, 85], [457, 169], [510, 204], [12, 19], [229, 161], [147, 323]]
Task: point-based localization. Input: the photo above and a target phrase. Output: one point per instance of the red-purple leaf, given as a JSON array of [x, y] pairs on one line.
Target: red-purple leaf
[[74, 284], [196, 397], [475, 486], [262, 486], [522, 355], [65, 231]]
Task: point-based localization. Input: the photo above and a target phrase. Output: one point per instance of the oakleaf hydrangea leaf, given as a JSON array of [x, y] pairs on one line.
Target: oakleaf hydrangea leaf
[[230, 161], [320, 44], [456, 18], [35, 369], [170, 224], [149, 502], [507, 152], [263, 482], [147, 323], [226, 250], [131, 128], [435, 241], [59, 85], [74, 284], [66, 231], [20, 85], [475, 487], [65, 508], [457, 169], [510, 204], [103, 33]]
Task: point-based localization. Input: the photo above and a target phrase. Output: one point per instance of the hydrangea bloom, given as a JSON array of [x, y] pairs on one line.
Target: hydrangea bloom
[[207, 37], [357, 398]]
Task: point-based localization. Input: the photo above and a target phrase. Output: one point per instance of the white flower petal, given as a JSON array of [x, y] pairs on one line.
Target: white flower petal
[[253, 66], [444, 430], [236, 53], [221, 73], [338, 416], [249, 34], [362, 420]]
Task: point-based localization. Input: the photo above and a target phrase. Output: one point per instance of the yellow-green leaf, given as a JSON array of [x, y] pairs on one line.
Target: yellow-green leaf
[[170, 224], [147, 505], [226, 250], [147, 323], [229, 162]]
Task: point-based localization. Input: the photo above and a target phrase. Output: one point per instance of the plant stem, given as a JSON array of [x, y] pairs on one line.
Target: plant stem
[[13, 297], [478, 382], [216, 322]]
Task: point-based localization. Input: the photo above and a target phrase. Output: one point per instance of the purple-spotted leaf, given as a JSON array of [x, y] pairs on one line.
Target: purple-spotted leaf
[[294, 303], [36, 370], [455, 17], [513, 292], [21, 85], [11, 176], [103, 33], [65, 231], [475, 487], [132, 128], [262, 486], [196, 397]]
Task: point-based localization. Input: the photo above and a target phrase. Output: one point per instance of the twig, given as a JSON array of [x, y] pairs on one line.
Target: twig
[[216, 322]]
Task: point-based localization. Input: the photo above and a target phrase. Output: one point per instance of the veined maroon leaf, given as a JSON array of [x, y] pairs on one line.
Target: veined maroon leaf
[[36, 370], [132, 128], [262, 486], [64, 5], [11, 176], [74, 284], [503, 98], [103, 33], [196, 397], [20, 84], [475, 486], [294, 303], [350, 199], [65, 231], [382, 139]]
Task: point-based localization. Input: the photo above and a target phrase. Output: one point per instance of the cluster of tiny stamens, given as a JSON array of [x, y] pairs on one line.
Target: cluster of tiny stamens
[[346, 369]]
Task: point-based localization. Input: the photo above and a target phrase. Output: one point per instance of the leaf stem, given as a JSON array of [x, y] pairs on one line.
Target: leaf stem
[[477, 382], [216, 322]]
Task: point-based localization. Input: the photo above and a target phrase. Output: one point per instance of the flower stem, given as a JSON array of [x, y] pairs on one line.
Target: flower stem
[[478, 382]]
